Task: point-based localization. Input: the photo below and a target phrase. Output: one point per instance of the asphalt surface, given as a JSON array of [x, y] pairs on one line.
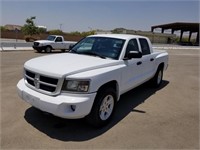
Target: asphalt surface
[[146, 118]]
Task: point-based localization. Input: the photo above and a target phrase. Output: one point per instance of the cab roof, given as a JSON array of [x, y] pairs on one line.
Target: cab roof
[[119, 36]]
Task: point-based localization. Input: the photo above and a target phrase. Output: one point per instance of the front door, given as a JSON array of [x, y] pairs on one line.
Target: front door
[[59, 44], [132, 74]]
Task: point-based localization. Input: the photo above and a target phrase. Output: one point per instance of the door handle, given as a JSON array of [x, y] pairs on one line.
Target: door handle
[[152, 59], [139, 63]]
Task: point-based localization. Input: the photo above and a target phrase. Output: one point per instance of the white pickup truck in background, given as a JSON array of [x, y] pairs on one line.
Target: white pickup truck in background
[[88, 81], [53, 42]]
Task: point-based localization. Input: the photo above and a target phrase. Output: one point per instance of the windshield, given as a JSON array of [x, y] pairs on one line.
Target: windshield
[[100, 46], [51, 38]]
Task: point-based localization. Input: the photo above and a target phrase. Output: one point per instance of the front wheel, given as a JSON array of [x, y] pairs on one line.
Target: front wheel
[[158, 78], [103, 108], [48, 49], [39, 50]]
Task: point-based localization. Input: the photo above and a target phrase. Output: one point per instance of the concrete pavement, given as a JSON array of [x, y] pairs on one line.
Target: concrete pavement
[[146, 118], [16, 48]]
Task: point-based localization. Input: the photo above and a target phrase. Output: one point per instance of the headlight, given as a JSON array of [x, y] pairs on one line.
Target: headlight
[[75, 86]]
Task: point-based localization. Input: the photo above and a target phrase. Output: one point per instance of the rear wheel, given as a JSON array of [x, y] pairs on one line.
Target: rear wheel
[[103, 108], [48, 49]]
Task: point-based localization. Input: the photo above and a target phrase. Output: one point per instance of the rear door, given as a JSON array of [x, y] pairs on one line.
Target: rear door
[[148, 60]]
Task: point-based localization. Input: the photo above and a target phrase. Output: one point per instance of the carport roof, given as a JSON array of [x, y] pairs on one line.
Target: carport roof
[[193, 27]]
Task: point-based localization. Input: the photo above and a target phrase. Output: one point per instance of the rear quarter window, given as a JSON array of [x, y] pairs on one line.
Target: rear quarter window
[[144, 46]]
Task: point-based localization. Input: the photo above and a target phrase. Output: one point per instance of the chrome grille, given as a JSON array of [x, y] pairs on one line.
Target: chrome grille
[[41, 82], [36, 43]]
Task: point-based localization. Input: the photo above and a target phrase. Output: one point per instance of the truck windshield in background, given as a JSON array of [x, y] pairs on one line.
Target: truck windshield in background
[[103, 46], [51, 38]]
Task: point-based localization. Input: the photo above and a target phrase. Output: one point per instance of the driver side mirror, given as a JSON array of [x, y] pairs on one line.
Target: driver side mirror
[[133, 54]]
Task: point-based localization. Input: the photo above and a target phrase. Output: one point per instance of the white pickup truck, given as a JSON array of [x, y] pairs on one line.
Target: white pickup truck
[[88, 81], [53, 42]]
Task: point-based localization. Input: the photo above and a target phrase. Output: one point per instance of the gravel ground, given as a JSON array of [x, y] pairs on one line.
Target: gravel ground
[[146, 118]]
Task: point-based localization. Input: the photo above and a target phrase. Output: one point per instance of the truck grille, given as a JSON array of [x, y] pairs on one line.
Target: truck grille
[[36, 43], [41, 82]]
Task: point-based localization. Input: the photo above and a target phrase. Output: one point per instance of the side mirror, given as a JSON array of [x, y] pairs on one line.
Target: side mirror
[[134, 54], [71, 46]]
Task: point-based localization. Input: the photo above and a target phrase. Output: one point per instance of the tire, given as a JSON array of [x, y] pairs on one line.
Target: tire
[[39, 50], [63, 50], [27, 39], [48, 49], [158, 78], [103, 108]]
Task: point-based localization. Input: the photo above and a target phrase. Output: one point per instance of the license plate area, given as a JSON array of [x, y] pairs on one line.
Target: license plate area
[[29, 98]]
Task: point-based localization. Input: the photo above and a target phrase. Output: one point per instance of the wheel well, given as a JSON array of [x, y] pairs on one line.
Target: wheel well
[[112, 84], [49, 46], [161, 65]]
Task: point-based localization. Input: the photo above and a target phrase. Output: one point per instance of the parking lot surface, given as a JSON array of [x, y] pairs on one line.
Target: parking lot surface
[[146, 118]]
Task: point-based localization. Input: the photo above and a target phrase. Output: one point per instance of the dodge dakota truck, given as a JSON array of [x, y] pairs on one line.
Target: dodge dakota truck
[[53, 42], [87, 82]]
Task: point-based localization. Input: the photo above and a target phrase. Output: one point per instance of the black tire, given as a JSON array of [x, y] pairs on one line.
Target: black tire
[[48, 49], [63, 50], [102, 111], [39, 50], [158, 78]]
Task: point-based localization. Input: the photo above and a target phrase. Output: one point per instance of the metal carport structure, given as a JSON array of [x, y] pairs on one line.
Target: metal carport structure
[[182, 27]]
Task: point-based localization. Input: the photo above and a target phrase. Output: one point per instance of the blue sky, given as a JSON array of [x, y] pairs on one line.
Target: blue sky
[[82, 15]]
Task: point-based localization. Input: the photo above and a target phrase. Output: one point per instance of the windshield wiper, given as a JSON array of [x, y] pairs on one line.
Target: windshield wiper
[[94, 54], [73, 51]]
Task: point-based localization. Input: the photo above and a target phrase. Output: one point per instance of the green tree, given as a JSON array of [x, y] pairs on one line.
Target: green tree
[[2, 28], [75, 33], [118, 30], [57, 32], [41, 30], [88, 33], [83, 33], [29, 28]]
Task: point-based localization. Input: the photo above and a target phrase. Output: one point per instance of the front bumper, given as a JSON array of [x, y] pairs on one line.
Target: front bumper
[[39, 47], [60, 105]]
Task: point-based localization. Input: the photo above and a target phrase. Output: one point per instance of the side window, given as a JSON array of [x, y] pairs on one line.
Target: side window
[[144, 46], [58, 39], [132, 46]]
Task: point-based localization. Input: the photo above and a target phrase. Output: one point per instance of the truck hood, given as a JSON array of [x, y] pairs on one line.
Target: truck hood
[[61, 65], [47, 41], [44, 41]]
